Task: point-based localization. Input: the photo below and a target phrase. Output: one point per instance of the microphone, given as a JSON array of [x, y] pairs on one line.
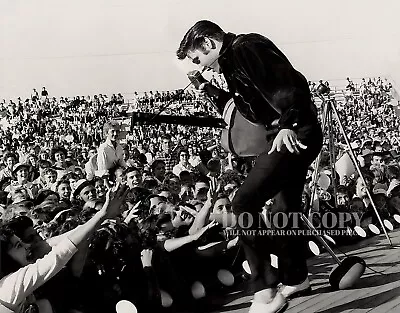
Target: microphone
[[196, 78]]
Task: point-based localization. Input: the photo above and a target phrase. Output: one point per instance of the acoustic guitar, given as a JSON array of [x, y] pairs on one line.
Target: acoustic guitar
[[242, 137]]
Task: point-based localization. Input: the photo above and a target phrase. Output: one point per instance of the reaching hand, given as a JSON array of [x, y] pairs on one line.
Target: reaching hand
[[146, 256], [288, 138], [115, 197], [214, 189], [200, 233], [132, 213]]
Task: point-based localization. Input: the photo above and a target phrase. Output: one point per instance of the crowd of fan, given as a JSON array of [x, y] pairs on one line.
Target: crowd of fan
[[172, 244]]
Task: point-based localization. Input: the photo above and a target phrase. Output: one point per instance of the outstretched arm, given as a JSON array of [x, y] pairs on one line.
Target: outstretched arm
[[15, 287]]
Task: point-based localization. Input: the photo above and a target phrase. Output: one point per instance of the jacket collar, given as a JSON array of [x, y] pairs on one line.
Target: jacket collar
[[226, 45]]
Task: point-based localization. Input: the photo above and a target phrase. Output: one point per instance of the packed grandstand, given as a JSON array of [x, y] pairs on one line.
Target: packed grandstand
[[50, 183]]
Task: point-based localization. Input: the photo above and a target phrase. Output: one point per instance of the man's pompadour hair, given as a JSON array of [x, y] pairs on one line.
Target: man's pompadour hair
[[194, 37]]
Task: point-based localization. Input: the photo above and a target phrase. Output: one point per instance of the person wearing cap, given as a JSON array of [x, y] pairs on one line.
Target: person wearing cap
[[84, 191], [21, 173], [110, 153]]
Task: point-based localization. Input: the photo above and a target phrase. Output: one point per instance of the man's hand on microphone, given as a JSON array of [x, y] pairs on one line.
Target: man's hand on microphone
[[201, 91]]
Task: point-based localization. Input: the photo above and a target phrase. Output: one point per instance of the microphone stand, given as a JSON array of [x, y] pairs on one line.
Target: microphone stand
[[329, 108]]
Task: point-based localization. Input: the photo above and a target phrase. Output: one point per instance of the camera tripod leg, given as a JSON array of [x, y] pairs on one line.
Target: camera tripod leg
[[332, 106]]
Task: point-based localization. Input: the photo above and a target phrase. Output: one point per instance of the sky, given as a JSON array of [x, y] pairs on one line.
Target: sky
[[81, 47]]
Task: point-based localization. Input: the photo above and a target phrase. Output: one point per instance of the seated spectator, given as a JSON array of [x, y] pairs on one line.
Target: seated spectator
[[63, 188], [50, 178], [20, 172], [158, 170], [58, 155], [166, 155], [9, 159], [183, 164]]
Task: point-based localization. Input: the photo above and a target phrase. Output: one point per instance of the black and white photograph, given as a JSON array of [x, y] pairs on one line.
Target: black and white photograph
[[199, 156]]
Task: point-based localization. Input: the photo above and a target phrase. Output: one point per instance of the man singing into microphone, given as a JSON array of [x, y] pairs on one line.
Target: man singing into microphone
[[266, 90]]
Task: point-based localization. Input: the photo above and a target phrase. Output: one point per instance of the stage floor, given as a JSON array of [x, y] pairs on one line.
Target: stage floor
[[373, 293]]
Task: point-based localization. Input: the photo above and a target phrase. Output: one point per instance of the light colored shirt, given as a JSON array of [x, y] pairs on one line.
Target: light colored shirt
[[180, 168], [91, 167], [5, 172], [31, 189], [17, 286], [108, 157]]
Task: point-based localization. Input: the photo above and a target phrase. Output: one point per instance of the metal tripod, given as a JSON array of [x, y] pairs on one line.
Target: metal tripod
[[329, 113]]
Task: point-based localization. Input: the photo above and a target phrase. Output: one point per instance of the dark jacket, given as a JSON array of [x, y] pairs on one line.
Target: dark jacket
[[263, 83]]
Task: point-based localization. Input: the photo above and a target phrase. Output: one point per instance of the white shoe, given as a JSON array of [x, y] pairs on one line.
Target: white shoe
[[299, 290], [277, 305]]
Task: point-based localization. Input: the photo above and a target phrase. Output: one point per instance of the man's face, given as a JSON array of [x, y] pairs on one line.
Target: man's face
[[134, 179], [50, 178], [59, 156], [166, 145], [22, 174], [100, 188], [125, 154], [342, 199], [159, 170], [175, 185], [112, 134], [10, 162], [377, 160], [183, 157], [222, 205], [43, 156], [64, 190], [88, 194], [119, 175], [32, 160], [206, 56]]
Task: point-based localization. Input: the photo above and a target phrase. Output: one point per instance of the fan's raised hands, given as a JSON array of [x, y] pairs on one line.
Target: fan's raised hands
[[115, 198]]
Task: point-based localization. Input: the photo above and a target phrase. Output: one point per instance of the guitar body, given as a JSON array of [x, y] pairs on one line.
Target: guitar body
[[242, 137]]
